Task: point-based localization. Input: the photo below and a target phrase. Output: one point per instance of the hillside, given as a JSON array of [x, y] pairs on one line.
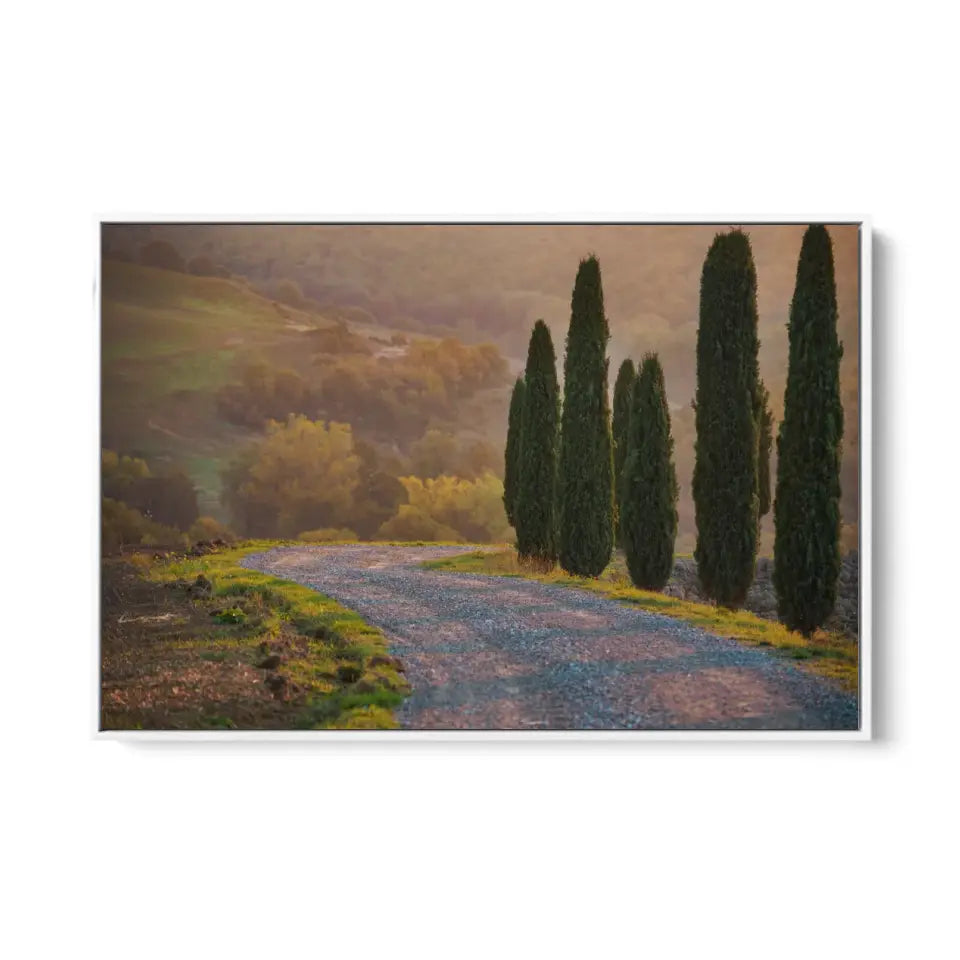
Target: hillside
[[174, 344], [493, 282]]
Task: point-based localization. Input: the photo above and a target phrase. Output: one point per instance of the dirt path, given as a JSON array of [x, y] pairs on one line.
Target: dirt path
[[505, 653]]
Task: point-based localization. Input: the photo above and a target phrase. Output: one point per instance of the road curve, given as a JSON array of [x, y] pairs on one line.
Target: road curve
[[505, 653]]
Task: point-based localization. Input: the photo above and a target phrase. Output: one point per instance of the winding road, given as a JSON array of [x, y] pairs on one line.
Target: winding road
[[504, 653]]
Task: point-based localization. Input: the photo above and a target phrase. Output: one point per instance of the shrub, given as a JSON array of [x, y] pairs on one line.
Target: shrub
[[123, 526], [170, 499], [807, 506], [208, 528], [160, 253], [327, 535], [585, 477], [450, 508], [412, 523], [725, 470]]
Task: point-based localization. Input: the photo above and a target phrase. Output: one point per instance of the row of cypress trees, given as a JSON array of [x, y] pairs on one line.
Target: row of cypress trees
[[734, 434], [558, 472], [573, 481], [565, 474]]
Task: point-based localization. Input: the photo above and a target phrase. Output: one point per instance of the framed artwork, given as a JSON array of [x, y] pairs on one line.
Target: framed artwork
[[498, 479]]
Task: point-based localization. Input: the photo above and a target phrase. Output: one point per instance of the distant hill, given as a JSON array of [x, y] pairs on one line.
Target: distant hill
[[485, 284], [171, 343]]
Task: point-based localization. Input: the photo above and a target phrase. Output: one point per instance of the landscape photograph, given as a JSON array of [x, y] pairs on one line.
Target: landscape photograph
[[480, 477]]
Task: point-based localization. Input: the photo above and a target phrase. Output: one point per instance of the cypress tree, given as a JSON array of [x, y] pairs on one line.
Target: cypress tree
[[806, 509], [648, 506], [511, 453], [622, 401], [535, 509], [586, 463], [764, 445], [725, 470]]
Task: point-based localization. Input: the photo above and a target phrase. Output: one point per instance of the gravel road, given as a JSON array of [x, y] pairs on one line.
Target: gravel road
[[505, 653]]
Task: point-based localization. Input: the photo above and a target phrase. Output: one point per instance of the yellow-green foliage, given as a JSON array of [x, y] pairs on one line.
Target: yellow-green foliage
[[304, 472], [208, 528], [120, 469], [123, 526], [449, 508], [403, 395], [328, 535], [830, 655], [345, 670]]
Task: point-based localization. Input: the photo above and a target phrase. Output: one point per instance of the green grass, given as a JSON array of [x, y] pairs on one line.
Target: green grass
[[339, 661], [827, 654]]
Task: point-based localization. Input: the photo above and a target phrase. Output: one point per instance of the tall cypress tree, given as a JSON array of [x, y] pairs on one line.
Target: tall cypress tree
[[511, 453], [764, 446], [586, 462], [622, 401], [806, 562], [536, 512], [648, 505], [725, 471]]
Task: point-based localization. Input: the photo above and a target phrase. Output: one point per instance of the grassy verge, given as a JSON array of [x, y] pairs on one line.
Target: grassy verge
[[199, 642], [828, 654]]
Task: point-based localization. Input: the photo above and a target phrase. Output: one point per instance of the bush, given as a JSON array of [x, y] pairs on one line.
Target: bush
[[327, 535], [449, 508], [169, 499], [123, 526], [411, 523], [160, 253], [208, 528]]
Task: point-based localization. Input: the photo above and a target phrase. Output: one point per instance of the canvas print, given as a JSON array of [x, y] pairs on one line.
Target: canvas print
[[480, 477]]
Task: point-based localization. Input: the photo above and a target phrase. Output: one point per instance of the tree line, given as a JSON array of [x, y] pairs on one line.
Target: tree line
[[578, 480]]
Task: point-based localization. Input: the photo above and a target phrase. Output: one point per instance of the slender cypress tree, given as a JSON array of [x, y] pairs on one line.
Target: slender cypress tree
[[764, 445], [622, 401], [511, 453], [648, 508], [806, 562], [725, 471], [536, 512], [586, 462]]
